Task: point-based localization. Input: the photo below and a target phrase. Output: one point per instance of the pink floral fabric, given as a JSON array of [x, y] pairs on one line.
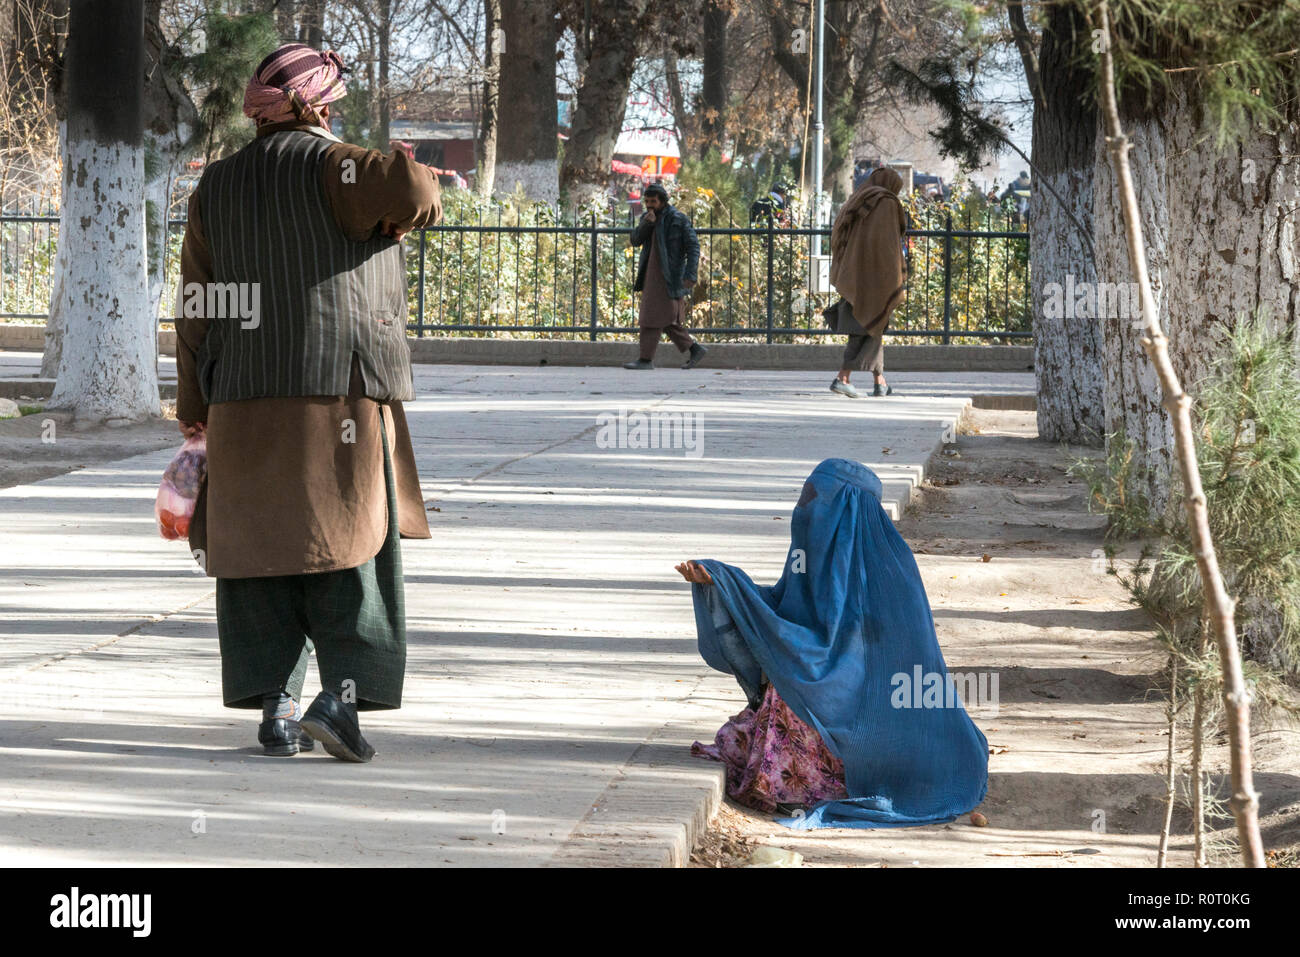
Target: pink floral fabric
[[773, 758]]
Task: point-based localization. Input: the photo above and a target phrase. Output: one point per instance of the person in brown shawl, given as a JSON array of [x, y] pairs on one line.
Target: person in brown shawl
[[868, 271], [311, 475]]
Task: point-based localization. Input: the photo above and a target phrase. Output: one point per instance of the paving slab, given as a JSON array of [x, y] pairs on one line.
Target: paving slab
[[553, 683]]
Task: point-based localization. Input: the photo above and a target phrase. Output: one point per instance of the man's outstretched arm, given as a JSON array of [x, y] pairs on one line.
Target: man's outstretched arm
[[371, 191]]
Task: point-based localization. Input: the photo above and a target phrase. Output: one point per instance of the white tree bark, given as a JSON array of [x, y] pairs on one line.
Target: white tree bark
[[539, 179], [1221, 241], [107, 367], [1067, 350], [526, 134], [169, 150], [1132, 387], [54, 318], [157, 199], [1178, 403]]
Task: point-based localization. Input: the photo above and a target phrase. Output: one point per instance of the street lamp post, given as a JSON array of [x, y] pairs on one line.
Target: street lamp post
[[819, 270], [818, 124]]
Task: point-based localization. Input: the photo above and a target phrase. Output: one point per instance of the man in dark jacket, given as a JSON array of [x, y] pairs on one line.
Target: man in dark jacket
[[670, 255]]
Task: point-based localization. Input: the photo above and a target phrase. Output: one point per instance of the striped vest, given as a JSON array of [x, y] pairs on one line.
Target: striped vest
[[321, 298]]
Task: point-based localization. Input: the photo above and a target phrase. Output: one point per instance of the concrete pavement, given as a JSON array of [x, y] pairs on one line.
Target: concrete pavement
[[553, 684]]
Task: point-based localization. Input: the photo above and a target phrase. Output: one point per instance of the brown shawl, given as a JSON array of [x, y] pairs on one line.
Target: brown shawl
[[866, 252]]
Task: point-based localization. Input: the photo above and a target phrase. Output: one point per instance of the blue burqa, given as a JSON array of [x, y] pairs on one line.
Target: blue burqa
[[847, 639]]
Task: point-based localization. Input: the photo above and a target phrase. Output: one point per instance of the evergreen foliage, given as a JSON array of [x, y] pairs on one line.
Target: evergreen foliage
[[234, 45], [1248, 447]]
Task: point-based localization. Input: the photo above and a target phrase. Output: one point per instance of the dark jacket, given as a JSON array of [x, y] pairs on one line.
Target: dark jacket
[[679, 249]]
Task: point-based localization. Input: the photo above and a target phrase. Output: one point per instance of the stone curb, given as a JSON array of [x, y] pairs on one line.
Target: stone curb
[[722, 355]]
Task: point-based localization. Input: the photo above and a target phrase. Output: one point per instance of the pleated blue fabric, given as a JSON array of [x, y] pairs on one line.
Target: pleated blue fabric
[[847, 638]]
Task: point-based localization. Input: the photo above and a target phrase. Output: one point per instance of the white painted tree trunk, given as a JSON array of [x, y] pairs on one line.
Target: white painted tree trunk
[[539, 179], [169, 152], [526, 130], [1067, 351], [1221, 241], [1132, 388], [107, 369], [157, 198], [54, 318]]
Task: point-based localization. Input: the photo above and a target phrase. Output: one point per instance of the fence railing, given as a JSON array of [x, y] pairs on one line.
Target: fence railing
[[547, 278]]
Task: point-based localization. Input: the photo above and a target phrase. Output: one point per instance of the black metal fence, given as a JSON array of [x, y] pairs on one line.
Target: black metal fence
[[529, 274]]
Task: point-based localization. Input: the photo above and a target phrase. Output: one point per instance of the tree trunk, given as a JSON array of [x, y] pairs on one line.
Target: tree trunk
[[1067, 348], [312, 25], [1156, 344], [157, 198], [713, 95], [526, 142], [1221, 237], [838, 181], [170, 121], [54, 323], [617, 31], [284, 16], [490, 120], [383, 135], [107, 368], [677, 98], [372, 89]]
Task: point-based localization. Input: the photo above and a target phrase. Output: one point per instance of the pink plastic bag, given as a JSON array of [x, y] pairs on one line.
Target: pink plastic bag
[[179, 489]]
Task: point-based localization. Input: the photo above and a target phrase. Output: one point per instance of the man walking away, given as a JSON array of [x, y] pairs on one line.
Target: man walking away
[[670, 255], [311, 475], [867, 270]]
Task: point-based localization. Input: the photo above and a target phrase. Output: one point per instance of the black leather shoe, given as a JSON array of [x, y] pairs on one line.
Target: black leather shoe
[[639, 364], [334, 724], [697, 353], [283, 738]]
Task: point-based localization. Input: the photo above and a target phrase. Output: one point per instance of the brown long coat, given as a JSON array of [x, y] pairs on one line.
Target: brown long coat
[[657, 309], [286, 492], [867, 266]]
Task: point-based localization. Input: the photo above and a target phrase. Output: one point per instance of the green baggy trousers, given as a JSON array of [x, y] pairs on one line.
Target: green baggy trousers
[[354, 617]]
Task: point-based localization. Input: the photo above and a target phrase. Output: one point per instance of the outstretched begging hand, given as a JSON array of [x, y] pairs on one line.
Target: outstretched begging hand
[[695, 573]]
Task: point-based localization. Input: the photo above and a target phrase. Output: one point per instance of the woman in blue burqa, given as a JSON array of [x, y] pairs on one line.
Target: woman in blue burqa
[[852, 719]]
